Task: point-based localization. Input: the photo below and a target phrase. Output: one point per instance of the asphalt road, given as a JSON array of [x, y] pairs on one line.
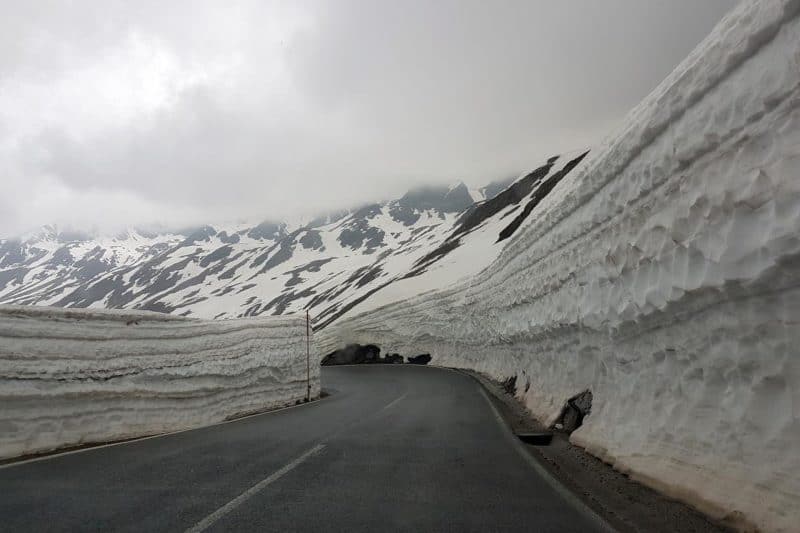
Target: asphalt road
[[393, 448]]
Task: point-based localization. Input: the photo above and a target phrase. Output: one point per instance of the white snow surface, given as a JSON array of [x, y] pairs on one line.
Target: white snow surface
[[664, 276], [75, 376], [331, 266]]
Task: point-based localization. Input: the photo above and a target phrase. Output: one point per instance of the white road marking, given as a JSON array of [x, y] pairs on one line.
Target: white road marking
[[393, 402], [554, 483], [134, 440], [252, 491]]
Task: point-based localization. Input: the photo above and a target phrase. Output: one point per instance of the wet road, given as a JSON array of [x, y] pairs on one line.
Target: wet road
[[393, 448]]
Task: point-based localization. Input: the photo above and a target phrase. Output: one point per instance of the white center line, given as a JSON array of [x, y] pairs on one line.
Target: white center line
[[390, 404], [252, 491]]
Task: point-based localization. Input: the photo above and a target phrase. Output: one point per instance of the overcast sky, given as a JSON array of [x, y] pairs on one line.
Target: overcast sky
[[120, 112]]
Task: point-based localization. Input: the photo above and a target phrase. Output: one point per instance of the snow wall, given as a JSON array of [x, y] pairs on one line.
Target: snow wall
[[664, 276], [70, 377]]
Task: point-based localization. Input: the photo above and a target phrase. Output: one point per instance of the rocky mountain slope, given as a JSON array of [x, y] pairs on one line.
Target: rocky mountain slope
[[430, 237]]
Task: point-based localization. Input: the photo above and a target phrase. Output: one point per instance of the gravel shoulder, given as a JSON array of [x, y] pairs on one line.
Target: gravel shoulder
[[626, 504]]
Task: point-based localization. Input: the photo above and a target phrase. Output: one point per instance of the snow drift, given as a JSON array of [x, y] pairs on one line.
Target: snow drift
[[70, 377], [664, 277]]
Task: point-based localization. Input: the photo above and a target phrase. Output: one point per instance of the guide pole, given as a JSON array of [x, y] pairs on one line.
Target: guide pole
[[308, 357]]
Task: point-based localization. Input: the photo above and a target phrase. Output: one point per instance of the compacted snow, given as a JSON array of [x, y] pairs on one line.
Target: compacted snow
[[76, 376], [663, 277]]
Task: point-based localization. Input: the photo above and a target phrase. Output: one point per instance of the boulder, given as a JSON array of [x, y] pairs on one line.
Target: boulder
[[576, 409], [353, 354], [393, 358], [422, 359]]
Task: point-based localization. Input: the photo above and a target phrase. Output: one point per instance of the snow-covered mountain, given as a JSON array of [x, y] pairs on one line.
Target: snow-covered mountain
[[430, 237]]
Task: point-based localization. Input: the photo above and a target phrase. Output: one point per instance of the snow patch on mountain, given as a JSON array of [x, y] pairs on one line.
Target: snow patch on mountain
[[328, 265]]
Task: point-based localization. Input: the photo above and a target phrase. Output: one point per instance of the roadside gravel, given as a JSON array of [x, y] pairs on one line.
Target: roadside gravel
[[626, 504]]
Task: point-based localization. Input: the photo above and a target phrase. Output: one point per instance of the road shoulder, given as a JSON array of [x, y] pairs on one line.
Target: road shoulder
[[625, 504]]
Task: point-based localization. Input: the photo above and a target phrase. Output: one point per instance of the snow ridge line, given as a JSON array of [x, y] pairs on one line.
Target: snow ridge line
[[60, 392]]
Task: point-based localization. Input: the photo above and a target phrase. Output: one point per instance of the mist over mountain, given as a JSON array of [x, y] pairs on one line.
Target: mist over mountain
[[326, 264]]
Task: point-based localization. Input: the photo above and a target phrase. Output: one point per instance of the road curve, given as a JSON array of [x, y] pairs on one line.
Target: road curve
[[393, 448]]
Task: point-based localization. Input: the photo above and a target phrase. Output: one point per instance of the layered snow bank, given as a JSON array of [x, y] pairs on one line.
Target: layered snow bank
[[664, 277], [69, 377]]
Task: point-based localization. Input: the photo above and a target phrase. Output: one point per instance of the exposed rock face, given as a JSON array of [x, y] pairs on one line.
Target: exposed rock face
[[327, 267], [577, 408], [356, 354], [422, 359], [442, 199], [353, 354], [394, 358], [510, 385], [268, 231], [528, 190]]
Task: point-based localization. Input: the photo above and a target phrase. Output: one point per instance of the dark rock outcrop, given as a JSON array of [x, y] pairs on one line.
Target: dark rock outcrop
[[422, 359], [510, 385], [201, 234], [577, 408], [353, 354], [267, 230], [356, 354], [538, 195], [394, 358]]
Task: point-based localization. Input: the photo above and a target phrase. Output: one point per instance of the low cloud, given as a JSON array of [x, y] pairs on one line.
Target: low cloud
[[117, 113]]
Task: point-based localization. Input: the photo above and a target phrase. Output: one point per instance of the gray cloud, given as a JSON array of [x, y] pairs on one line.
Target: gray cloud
[[130, 112]]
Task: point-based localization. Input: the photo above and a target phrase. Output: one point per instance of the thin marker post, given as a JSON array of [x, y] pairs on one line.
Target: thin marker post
[[308, 357]]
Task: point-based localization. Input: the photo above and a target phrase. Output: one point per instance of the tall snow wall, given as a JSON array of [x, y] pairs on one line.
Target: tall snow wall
[[664, 277], [70, 377]]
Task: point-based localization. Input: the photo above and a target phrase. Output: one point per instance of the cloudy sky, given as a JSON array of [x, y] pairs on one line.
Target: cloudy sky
[[126, 112]]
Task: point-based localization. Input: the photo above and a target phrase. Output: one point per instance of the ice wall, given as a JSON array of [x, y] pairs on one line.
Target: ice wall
[[69, 376], [665, 278]]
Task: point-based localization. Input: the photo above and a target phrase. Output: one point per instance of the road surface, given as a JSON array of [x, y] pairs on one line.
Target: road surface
[[393, 448]]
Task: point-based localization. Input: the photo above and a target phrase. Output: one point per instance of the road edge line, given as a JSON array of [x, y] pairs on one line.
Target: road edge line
[[554, 483], [55, 454], [214, 517]]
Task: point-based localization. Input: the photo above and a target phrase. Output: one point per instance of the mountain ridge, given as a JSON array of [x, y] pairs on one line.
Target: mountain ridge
[[327, 265]]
